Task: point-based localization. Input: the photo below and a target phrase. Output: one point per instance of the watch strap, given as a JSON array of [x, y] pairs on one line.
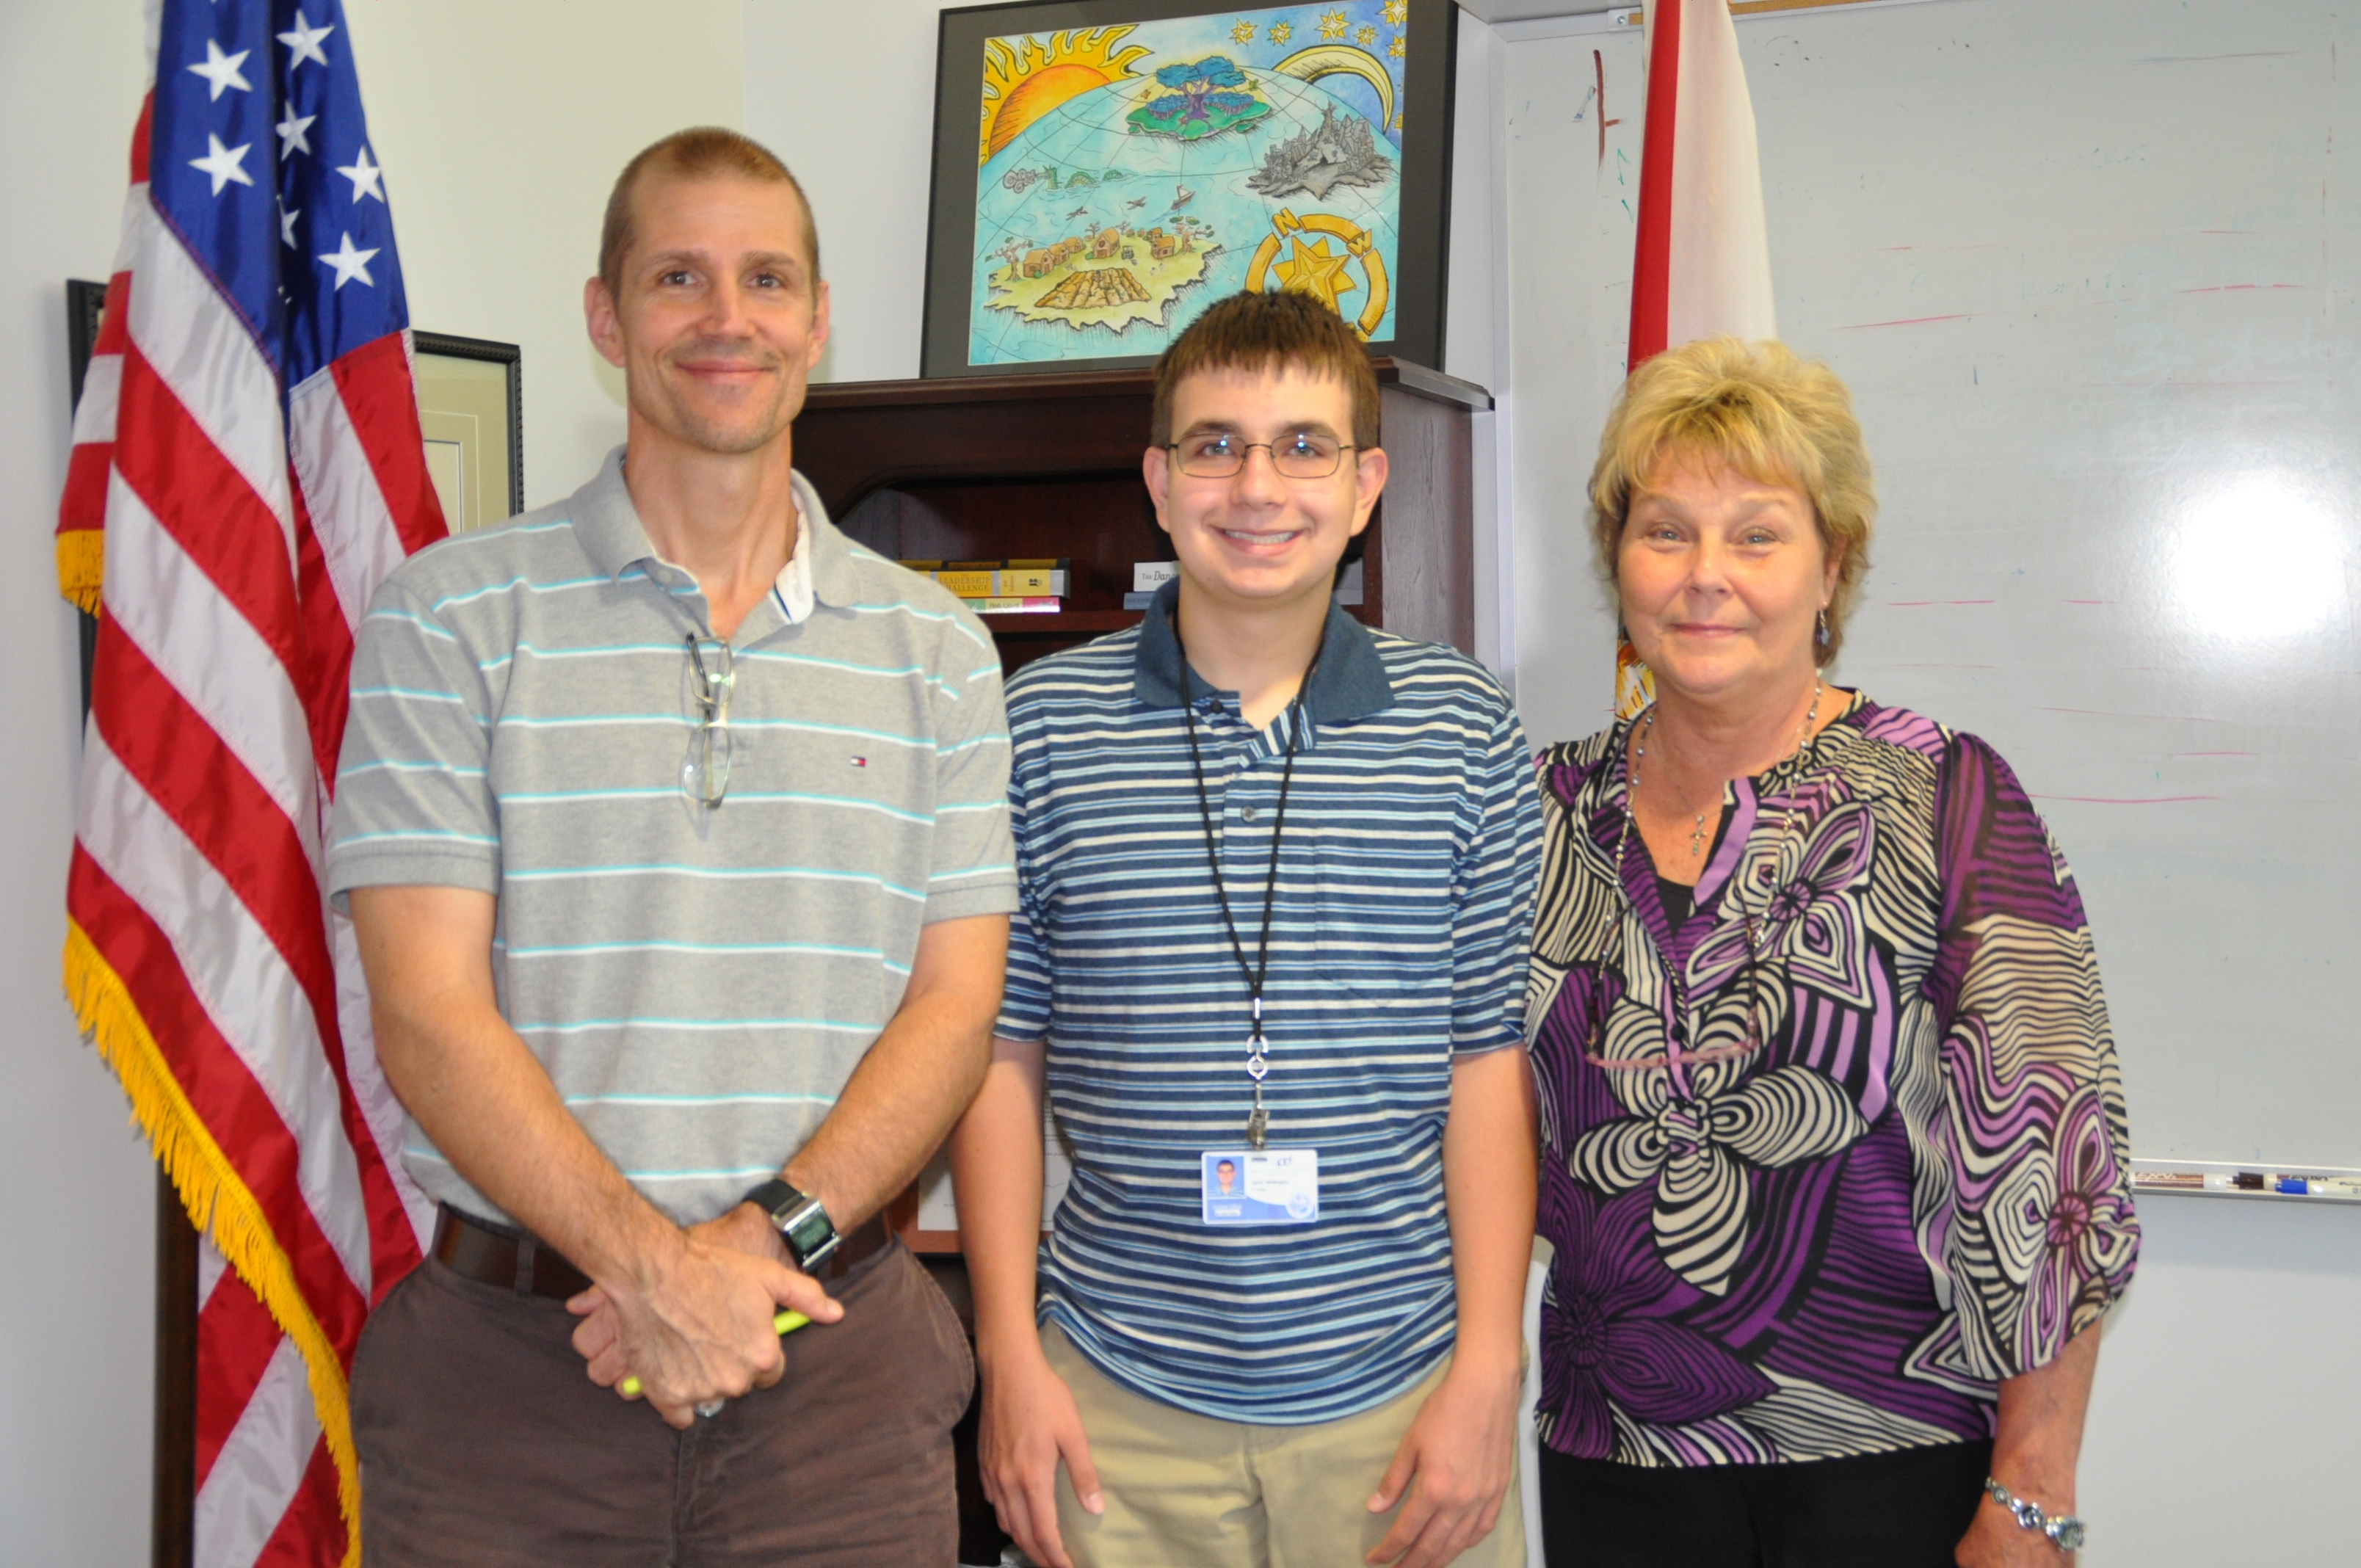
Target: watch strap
[[800, 1220]]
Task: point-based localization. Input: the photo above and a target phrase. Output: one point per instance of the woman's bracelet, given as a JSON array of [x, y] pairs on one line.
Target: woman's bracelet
[[2065, 1531]]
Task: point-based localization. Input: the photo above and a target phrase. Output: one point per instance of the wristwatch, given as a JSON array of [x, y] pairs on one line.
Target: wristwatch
[[798, 1218], [2065, 1531]]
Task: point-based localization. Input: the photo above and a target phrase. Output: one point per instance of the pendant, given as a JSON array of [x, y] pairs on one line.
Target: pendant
[[1257, 1064]]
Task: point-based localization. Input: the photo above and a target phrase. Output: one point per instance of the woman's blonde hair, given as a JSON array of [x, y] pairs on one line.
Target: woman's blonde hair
[[1774, 416]]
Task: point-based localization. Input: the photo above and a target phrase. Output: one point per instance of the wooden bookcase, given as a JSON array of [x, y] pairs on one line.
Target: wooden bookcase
[[1047, 465], [1002, 467]]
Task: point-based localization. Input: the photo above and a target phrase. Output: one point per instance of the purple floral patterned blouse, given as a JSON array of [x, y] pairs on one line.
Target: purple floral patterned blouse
[[1846, 1148]]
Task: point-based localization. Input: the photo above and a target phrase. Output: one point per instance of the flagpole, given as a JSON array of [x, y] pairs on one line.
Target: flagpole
[[172, 1528]]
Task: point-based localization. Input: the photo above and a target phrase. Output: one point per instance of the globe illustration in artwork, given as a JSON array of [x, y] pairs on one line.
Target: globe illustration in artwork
[[1100, 233]]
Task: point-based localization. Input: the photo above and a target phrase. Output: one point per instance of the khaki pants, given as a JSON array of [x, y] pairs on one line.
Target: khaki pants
[[1184, 1490]]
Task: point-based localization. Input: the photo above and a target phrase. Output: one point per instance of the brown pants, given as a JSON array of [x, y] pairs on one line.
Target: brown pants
[[483, 1442]]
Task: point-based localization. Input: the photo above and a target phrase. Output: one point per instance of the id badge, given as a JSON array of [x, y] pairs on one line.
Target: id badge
[[1262, 1187]]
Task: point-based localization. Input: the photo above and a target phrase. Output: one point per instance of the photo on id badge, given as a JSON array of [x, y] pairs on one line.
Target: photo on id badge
[[1262, 1187]]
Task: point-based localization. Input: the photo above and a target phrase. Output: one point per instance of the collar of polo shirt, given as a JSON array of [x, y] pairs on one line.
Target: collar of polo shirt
[[612, 536], [1348, 682]]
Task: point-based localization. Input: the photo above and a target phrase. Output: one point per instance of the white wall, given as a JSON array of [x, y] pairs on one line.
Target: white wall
[[500, 128], [846, 95], [76, 1229]]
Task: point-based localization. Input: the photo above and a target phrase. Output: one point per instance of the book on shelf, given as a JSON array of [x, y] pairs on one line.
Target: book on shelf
[[997, 579], [1015, 603]]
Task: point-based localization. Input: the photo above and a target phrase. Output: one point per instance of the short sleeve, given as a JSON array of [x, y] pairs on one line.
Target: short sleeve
[[1025, 996], [2041, 1238], [973, 869], [413, 798], [1492, 893]]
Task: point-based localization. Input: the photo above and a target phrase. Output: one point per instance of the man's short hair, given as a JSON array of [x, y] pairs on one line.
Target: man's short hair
[[700, 152], [1267, 333]]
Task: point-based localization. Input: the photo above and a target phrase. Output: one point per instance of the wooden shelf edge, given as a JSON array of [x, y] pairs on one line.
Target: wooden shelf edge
[[1062, 621], [1136, 380]]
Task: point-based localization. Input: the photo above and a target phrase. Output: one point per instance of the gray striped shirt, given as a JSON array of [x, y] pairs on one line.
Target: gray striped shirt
[[699, 983]]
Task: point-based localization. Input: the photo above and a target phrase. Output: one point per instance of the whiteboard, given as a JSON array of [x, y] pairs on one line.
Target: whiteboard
[[2091, 271]]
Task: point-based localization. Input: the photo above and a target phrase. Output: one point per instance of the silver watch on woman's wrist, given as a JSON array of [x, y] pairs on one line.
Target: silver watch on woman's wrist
[[2065, 1531]]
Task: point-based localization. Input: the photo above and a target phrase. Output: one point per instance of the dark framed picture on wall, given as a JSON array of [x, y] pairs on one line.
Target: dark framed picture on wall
[[85, 313], [1105, 169], [471, 411]]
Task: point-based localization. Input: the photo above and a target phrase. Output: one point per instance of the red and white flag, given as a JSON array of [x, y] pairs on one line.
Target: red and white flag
[[1701, 265], [247, 466]]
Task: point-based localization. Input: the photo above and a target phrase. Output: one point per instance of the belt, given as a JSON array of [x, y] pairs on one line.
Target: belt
[[512, 1260]]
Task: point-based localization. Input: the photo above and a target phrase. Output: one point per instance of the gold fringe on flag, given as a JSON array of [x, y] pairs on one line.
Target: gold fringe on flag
[[82, 567], [218, 1201]]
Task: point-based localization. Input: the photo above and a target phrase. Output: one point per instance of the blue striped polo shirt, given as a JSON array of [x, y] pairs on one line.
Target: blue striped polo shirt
[[1407, 866], [699, 983]]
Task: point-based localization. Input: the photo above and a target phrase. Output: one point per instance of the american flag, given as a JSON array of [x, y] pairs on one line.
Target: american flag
[[246, 467]]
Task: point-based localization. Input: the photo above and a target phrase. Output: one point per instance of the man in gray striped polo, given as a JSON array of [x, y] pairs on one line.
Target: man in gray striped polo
[[674, 828], [1276, 874]]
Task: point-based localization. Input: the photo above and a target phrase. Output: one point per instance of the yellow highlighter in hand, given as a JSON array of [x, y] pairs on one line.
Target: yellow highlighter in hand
[[786, 1322]]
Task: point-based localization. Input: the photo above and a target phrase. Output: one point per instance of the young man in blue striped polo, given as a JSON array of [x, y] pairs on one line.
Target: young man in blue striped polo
[[1275, 875]]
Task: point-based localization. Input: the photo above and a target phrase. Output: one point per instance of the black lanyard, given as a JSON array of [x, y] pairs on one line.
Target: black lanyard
[[1257, 1061]]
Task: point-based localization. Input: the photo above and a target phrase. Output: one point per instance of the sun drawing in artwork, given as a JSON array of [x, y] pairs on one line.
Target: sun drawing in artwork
[[1026, 82]]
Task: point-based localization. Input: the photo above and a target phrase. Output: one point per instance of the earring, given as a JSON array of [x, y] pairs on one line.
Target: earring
[[1823, 633]]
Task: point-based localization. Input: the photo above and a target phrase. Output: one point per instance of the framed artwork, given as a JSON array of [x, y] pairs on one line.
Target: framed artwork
[[471, 411], [1105, 169]]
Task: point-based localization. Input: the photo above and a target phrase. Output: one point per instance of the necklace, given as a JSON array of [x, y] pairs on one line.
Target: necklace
[[1638, 755], [1696, 833], [1258, 1048], [1806, 736]]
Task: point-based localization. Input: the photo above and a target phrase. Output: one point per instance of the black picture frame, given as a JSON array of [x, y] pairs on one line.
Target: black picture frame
[[489, 351], [85, 309], [1429, 72]]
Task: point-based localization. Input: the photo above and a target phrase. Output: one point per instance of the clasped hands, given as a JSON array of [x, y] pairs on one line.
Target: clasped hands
[[697, 1324]]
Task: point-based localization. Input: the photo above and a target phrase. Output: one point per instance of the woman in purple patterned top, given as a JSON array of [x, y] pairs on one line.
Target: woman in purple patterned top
[[1836, 1162]]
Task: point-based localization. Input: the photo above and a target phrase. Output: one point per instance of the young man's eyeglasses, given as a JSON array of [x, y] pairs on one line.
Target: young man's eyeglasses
[[1300, 454]]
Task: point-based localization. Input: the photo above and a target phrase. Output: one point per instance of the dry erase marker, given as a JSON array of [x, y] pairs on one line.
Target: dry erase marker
[[785, 1322]]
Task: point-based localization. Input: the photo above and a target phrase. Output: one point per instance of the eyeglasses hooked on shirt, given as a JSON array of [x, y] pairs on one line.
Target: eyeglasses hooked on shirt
[[705, 773]]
